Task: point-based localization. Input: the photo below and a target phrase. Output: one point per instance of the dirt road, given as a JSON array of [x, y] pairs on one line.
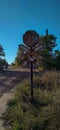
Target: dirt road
[[10, 78]]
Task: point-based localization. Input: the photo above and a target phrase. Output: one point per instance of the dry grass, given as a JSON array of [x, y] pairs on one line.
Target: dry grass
[[51, 80]]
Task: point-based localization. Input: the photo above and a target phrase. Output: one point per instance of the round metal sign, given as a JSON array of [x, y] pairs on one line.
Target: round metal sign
[[30, 38]]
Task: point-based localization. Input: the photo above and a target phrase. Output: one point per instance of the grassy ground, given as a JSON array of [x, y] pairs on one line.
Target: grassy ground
[[42, 112]]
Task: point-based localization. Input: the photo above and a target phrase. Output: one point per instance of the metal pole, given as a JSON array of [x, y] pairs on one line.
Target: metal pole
[[31, 79]]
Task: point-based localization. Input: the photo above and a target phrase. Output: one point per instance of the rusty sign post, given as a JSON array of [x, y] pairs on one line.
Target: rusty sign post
[[31, 72], [30, 38]]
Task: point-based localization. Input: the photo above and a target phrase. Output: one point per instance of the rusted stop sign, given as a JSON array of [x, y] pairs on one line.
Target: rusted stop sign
[[30, 38]]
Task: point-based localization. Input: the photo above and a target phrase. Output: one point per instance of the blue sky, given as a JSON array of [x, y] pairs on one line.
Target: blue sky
[[18, 16]]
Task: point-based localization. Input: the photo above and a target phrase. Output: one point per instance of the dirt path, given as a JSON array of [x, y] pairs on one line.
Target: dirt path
[[8, 80], [3, 101]]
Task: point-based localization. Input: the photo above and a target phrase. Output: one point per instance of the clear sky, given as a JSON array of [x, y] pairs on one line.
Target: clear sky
[[18, 16]]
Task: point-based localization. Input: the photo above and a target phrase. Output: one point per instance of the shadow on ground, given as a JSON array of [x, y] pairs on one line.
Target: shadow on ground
[[9, 79]]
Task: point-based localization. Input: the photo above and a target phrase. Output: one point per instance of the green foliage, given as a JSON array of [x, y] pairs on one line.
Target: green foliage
[[18, 61], [57, 61], [49, 42], [48, 45], [3, 62], [1, 51], [42, 112]]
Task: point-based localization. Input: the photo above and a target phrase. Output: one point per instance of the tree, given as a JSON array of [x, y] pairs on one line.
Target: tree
[[18, 59], [3, 62], [2, 53], [57, 59], [48, 45]]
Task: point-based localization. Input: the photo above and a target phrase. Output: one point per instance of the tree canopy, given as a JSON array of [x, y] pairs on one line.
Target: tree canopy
[[2, 53], [48, 45], [3, 62]]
